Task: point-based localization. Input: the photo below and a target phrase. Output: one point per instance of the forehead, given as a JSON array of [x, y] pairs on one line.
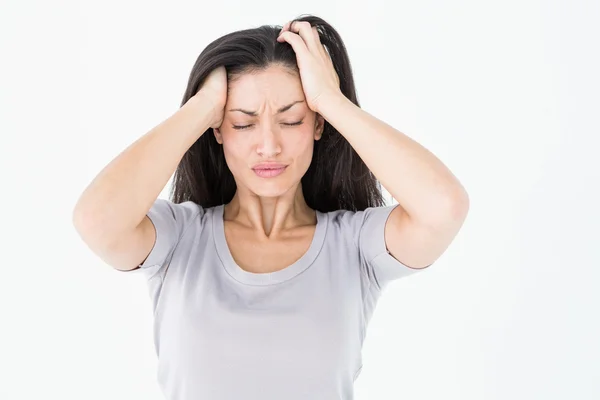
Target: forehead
[[276, 83]]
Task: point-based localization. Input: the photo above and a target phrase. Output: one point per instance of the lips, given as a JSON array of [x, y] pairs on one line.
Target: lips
[[269, 170], [268, 165]]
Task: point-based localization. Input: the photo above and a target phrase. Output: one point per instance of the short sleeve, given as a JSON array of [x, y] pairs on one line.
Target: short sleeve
[[170, 221], [380, 266]]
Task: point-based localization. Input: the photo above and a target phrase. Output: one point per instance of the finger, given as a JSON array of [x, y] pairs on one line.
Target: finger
[[319, 44], [316, 33], [308, 34], [326, 54], [323, 50], [286, 27], [296, 42]]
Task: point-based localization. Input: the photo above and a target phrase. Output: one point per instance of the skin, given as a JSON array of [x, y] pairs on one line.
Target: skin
[[432, 202], [268, 209]]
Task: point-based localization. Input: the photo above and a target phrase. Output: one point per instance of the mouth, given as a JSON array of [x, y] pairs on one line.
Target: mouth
[[269, 171]]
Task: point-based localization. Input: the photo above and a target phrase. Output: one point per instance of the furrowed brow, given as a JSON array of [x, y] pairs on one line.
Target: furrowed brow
[[281, 110]]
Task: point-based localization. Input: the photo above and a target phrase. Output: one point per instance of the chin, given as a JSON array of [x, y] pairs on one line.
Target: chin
[[270, 189]]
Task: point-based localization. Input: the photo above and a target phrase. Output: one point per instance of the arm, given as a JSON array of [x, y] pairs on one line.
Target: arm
[[417, 179], [432, 203], [110, 215]]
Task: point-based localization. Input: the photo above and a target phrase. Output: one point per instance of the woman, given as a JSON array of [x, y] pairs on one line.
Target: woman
[[265, 267]]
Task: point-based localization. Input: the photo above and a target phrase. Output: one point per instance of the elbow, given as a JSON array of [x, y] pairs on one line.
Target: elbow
[[450, 211], [457, 208], [89, 229]]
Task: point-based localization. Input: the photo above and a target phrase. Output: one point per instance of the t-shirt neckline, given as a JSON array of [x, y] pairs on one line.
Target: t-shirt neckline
[[268, 278]]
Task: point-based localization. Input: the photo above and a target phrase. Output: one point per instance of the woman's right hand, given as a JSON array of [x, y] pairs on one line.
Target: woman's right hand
[[214, 90]]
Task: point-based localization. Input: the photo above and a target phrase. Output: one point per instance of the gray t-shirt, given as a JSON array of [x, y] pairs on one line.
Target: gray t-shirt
[[223, 333]]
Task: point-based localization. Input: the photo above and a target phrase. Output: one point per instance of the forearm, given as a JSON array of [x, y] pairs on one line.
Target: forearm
[[416, 178], [122, 193]]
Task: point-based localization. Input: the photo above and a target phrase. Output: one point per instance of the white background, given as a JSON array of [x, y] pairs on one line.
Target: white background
[[506, 94]]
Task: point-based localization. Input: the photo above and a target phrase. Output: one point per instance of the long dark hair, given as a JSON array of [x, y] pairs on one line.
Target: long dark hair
[[337, 177]]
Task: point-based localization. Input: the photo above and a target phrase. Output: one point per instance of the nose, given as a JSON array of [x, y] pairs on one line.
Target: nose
[[268, 142]]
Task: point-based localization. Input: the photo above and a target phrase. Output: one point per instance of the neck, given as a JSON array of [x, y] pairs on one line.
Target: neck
[[270, 216]]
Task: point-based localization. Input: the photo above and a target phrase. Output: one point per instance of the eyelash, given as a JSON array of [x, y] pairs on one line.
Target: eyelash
[[242, 127]]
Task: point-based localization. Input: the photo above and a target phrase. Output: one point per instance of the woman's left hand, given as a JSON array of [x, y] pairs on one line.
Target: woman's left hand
[[318, 76]]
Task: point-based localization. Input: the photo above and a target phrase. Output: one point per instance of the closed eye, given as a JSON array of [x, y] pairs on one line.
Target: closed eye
[[241, 127], [293, 123]]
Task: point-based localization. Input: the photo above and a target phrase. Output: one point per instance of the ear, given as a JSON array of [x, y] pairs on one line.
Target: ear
[[218, 136], [319, 126]]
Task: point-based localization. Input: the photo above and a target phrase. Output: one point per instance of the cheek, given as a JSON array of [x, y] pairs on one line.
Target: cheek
[[307, 139], [296, 135], [234, 156], [299, 146], [236, 146]]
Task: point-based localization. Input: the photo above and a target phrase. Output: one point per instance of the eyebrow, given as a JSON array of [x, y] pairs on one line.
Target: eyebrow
[[255, 114]]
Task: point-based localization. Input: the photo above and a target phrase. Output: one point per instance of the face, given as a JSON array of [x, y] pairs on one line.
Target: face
[[269, 145]]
